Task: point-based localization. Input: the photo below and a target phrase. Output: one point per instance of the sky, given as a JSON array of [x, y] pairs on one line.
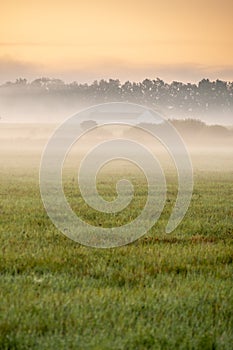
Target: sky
[[84, 40]]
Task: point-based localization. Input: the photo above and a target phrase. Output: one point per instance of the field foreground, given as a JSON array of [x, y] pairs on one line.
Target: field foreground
[[165, 291]]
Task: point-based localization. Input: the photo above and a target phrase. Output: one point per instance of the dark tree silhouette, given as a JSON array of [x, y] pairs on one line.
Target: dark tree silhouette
[[175, 100], [88, 124]]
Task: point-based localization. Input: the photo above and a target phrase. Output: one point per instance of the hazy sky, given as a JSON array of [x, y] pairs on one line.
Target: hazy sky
[[126, 39]]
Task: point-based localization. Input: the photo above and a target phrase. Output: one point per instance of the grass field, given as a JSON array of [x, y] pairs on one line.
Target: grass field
[[165, 291]]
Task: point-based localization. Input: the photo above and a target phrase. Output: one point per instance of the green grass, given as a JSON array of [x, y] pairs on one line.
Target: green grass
[[165, 291]]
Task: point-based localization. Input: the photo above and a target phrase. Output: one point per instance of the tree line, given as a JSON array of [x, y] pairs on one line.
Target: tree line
[[187, 100]]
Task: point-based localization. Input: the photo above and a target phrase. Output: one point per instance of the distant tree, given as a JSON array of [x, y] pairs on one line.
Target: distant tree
[[88, 124], [21, 82]]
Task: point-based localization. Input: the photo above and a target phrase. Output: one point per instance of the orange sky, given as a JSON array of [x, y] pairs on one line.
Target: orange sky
[[85, 40]]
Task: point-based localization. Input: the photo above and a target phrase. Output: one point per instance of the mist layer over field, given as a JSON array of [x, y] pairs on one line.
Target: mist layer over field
[[31, 139]]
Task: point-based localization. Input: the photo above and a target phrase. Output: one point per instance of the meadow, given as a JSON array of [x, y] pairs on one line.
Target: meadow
[[164, 291]]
